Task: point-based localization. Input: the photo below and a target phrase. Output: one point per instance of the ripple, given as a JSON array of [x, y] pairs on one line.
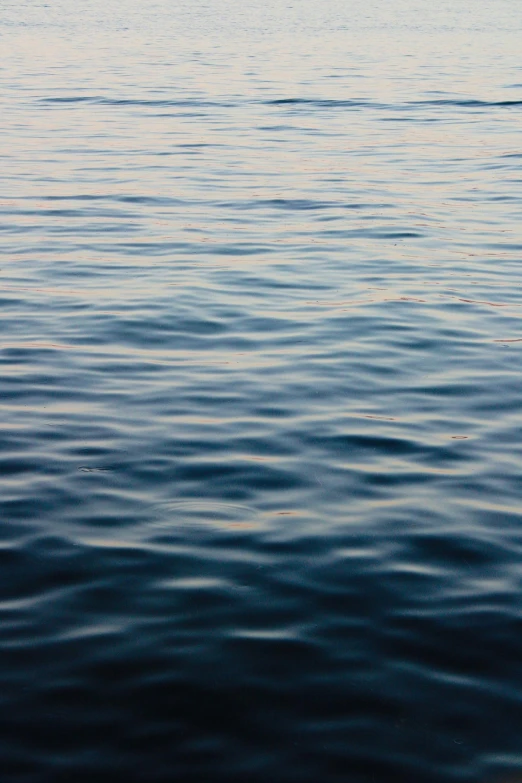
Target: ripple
[[260, 393], [215, 515]]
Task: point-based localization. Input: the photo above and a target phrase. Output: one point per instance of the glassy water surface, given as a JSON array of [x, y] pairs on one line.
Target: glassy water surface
[[260, 391]]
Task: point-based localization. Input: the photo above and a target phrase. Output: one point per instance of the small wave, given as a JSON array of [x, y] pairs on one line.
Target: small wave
[[161, 102], [210, 514], [466, 103], [95, 469], [324, 103]]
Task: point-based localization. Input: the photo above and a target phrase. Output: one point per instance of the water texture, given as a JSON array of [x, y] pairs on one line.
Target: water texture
[[260, 391]]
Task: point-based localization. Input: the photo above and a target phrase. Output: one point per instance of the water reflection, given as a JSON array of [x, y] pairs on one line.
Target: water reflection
[[260, 391]]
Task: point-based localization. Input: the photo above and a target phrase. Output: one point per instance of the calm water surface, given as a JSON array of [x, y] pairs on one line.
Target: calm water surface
[[261, 391]]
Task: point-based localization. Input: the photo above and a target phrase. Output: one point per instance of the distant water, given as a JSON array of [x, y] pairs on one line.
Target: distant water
[[261, 391]]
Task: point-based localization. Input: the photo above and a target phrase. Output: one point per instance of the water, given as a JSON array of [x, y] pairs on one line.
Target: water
[[260, 391]]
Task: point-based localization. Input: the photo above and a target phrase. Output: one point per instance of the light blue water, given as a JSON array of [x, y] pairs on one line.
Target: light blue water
[[260, 391]]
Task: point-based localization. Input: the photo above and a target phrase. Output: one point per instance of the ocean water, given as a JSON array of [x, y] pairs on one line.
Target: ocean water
[[261, 391]]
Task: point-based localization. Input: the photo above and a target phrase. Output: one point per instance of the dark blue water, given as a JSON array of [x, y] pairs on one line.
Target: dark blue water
[[261, 392]]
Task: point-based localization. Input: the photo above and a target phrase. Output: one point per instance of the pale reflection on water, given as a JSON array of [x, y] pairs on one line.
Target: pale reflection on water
[[260, 391]]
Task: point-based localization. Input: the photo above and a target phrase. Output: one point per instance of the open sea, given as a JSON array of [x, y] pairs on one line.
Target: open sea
[[261, 391]]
